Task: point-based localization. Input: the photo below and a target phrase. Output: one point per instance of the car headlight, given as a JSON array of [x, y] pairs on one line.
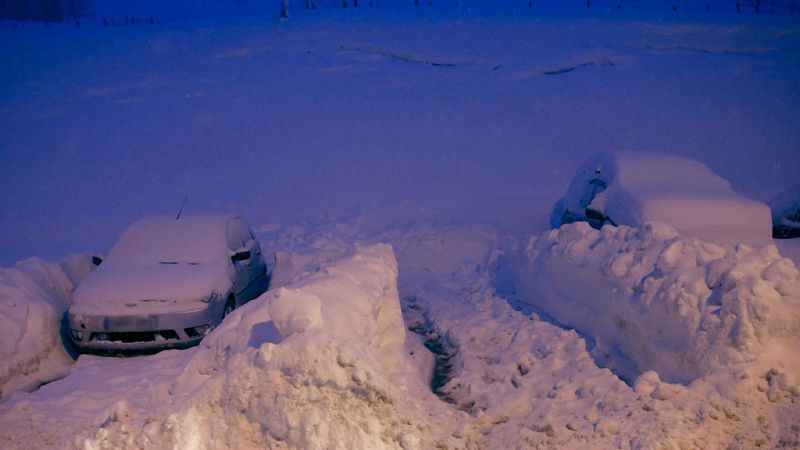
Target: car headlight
[[198, 331]]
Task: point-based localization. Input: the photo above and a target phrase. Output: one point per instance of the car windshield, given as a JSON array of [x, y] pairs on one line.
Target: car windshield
[[170, 241]]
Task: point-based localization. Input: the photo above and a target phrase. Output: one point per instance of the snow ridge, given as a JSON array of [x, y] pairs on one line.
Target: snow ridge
[[682, 307], [34, 294], [321, 363]]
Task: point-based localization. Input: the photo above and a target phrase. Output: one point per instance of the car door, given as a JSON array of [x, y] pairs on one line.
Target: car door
[[257, 268]]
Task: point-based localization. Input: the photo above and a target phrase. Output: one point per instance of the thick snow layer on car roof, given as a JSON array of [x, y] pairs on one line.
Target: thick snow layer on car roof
[[191, 239], [678, 191]]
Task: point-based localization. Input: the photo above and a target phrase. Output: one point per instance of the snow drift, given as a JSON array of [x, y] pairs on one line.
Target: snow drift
[[34, 294], [322, 362], [635, 188], [680, 306]]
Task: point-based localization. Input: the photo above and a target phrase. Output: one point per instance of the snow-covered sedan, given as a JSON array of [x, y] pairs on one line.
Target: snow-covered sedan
[[167, 282], [636, 188]]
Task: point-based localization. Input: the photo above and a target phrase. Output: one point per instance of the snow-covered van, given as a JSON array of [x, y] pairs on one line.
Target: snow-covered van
[[167, 282], [637, 188]]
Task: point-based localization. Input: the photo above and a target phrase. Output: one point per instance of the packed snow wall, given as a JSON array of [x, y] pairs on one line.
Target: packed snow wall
[[34, 294], [680, 306], [320, 363]]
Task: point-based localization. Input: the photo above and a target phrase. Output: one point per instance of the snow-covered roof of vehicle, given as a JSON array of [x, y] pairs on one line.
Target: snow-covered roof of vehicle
[[190, 239], [634, 188]]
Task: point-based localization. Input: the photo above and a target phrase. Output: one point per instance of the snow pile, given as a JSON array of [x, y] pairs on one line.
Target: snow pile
[[322, 362], [525, 382], [682, 307], [636, 188], [34, 294], [299, 249]]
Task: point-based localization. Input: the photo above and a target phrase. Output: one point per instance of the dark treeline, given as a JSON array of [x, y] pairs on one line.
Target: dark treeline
[[42, 10], [60, 10]]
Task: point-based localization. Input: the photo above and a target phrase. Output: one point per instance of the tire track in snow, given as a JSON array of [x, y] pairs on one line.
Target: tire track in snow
[[598, 59], [705, 50], [418, 60]]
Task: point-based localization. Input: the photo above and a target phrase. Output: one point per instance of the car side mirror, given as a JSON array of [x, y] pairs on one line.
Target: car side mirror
[[241, 256], [96, 260]]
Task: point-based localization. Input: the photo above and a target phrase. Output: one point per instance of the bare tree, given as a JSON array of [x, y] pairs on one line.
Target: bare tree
[[285, 9]]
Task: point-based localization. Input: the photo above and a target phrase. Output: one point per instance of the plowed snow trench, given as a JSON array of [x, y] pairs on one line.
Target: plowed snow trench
[[443, 349], [605, 358]]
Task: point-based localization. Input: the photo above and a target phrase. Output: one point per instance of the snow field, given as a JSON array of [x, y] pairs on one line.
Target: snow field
[[345, 110], [34, 294], [449, 118]]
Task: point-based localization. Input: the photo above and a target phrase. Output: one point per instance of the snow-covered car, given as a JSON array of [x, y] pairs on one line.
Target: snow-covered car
[[786, 213], [636, 188], [167, 283]]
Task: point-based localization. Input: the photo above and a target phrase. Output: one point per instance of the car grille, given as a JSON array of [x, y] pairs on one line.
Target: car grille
[[129, 337]]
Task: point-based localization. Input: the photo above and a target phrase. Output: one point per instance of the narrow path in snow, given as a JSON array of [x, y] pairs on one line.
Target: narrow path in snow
[[605, 358]]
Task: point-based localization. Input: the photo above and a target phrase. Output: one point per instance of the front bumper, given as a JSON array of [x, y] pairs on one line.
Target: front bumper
[[142, 331]]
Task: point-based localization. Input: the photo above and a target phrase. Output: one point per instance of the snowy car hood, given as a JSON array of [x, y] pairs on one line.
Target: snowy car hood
[[147, 287]]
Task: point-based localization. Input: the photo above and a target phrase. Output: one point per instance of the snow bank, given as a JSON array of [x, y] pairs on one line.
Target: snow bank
[[682, 307], [319, 364], [636, 188], [34, 294], [300, 249], [527, 383], [322, 362]]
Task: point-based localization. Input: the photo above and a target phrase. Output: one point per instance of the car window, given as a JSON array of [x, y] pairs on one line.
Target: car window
[[235, 241], [244, 231]]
